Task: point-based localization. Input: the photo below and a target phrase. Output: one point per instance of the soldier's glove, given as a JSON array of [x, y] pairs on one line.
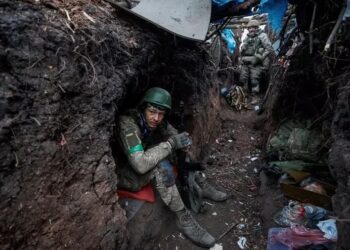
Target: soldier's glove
[[180, 141]]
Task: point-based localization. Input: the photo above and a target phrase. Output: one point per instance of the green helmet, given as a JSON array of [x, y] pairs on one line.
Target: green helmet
[[157, 96], [253, 23]]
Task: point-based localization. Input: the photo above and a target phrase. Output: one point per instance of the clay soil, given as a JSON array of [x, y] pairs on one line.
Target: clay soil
[[232, 164]]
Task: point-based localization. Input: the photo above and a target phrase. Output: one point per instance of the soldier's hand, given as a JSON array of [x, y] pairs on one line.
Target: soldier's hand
[[180, 141], [259, 57]]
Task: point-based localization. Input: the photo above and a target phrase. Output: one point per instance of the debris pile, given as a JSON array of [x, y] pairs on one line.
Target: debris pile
[[297, 159], [307, 80]]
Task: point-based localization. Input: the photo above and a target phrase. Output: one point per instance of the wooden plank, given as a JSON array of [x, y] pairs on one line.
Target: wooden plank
[[305, 196]]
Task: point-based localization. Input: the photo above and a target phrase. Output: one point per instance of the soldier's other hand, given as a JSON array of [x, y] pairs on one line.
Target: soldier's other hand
[[180, 141], [259, 57]]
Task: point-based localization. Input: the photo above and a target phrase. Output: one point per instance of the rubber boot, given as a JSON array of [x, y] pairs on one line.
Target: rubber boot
[[208, 191], [192, 230]]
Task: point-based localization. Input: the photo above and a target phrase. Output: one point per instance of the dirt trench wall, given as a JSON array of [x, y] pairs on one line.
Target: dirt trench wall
[[339, 159], [64, 74]]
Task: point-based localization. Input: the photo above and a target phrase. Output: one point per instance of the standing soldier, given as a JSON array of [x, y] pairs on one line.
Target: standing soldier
[[147, 141], [255, 59]]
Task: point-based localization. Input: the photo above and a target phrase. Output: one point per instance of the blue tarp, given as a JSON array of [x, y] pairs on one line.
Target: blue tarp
[[218, 3], [229, 38], [275, 10], [220, 7]]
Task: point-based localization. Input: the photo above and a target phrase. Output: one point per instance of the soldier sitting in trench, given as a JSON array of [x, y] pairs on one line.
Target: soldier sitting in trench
[[148, 140], [255, 60]]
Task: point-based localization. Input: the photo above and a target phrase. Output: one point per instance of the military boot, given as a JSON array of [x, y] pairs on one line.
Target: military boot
[[191, 229], [208, 191]]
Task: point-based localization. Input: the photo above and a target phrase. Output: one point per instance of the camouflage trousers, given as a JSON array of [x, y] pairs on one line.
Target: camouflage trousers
[[252, 73], [170, 195]]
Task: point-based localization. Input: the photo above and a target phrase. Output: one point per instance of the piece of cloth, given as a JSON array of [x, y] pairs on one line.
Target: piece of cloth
[[272, 243], [298, 236], [146, 193]]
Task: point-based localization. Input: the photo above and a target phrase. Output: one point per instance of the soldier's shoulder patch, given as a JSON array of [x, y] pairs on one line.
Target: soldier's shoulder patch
[[133, 142]]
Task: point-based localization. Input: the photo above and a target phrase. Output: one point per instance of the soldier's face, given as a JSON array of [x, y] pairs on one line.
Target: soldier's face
[[154, 116], [252, 29]]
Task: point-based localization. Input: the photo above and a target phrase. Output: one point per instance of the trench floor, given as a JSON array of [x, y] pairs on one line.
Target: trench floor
[[232, 165]]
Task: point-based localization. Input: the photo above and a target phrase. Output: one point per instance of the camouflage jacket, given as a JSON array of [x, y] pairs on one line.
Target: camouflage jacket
[[257, 43], [140, 151]]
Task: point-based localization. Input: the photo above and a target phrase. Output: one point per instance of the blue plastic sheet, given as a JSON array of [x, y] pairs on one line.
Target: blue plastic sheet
[[229, 38], [221, 6], [275, 10], [222, 2], [329, 228]]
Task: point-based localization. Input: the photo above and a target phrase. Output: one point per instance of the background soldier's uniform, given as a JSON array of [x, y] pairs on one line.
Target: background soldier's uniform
[[254, 56]]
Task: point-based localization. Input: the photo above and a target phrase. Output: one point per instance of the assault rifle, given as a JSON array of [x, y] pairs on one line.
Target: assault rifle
[[190, 191]]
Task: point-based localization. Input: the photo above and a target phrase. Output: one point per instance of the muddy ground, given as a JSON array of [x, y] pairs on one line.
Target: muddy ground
[[232, 164]]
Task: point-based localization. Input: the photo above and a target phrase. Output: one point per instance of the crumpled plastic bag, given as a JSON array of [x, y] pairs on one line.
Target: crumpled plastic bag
[[294, 212], [299, 236], [329, 228], [299, 213]]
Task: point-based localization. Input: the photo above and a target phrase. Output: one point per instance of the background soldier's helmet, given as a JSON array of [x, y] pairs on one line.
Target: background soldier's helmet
[[253, 23], [157, 96]]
